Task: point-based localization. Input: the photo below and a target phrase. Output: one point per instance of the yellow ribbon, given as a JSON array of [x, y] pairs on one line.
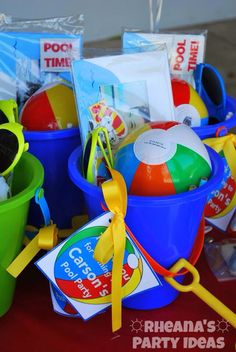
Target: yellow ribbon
[[111, 244], [45, 239], [226, 144]]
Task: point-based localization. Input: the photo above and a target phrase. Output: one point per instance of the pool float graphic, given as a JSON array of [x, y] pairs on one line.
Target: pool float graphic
[[105, 116]]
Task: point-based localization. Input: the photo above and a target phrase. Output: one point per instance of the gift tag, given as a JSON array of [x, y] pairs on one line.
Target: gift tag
[[86, 283], [61, 305]]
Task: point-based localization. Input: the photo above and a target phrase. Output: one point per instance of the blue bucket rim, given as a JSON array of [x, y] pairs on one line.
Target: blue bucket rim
[[203, 191], [210, 130], [53, 134]]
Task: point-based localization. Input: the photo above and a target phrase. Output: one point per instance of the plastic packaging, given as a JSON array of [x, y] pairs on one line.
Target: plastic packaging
[[36, 52], [155, 9], [126, 90], [221, 258], [121, 92], [185, 50]]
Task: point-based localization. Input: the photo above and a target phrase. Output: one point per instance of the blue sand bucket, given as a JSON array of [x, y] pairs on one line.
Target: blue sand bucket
[[209, 131], [165, 226], [65, 200]]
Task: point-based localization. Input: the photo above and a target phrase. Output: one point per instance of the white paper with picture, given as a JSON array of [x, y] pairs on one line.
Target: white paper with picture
[[122, 92]]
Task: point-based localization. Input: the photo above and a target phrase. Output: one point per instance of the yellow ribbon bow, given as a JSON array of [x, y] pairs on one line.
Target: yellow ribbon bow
[[226, 144], [111, 244], [45, 239]]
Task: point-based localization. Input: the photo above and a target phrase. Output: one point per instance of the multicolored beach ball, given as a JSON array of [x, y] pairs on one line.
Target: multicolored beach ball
[[162, 158], [189, 107], [52, 107]]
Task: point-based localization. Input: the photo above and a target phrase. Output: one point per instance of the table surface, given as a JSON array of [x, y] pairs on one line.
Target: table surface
[[32, 325]]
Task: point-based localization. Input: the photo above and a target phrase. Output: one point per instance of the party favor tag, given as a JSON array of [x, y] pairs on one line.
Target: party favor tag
[[61, 305], [85, 283]]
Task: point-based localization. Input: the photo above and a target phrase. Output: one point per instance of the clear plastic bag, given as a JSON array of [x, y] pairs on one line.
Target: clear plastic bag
[[185, 49], [120, 93], [65, 25], [221, 258], [132, 88], [36, 52]]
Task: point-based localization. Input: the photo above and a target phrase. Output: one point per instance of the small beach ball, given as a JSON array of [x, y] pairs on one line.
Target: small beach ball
[[189, 107], [162, 158], [52, 107]]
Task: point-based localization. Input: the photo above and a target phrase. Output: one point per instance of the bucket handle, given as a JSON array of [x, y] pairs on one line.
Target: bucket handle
[[41, 201], [31, 231]]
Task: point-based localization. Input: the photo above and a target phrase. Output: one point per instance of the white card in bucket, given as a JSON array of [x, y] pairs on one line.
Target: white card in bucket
[[120, 85], [85, 283]]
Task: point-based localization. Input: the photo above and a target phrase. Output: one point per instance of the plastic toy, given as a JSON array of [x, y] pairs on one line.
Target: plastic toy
[[211, 88], [200, 291], [189, 107], [50, 108], [93, 164], [162, 158], [12, 145], [8, 111]]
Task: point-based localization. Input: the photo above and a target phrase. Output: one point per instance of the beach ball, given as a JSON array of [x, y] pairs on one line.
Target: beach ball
[[189, 106], [162, 158], [52, 107]]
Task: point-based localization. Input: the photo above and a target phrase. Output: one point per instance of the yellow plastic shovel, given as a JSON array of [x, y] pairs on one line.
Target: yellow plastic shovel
[[200, 291]]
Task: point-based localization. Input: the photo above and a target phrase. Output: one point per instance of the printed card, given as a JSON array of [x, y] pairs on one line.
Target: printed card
[[122, 92], [220, 199], [61, 305], [222, 222], [85, 283]]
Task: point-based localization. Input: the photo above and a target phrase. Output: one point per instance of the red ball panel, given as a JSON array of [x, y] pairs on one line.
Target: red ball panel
[[149, 178], [181, 92], [39, 105]]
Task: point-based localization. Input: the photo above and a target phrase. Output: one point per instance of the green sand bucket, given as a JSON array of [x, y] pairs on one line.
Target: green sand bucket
[[28, 176]]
